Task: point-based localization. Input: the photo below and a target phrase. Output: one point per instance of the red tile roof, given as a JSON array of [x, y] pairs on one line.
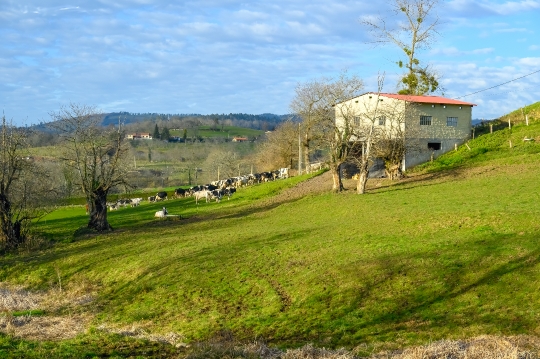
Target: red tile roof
[[426, 99]]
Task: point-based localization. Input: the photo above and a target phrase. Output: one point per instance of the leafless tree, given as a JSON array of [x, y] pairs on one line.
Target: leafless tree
[[280, 148], [413, 34], [308, 102], [318, 103], [95, 154], [339, 136], [25, 191]]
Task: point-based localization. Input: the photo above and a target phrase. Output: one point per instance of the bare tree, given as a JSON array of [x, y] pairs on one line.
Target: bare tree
[[96, 155], [25, 189], [307, 104], [415, 33], [401, 136], [339, 134], [369, 116], [280, 148]]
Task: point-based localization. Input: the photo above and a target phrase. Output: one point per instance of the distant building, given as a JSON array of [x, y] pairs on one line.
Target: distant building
[[239, 139], [139, 136]]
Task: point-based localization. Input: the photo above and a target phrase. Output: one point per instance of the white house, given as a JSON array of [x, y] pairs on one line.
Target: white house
[[435, 124]]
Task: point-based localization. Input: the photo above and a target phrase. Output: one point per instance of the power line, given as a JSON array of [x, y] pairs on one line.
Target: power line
[[507, 82]]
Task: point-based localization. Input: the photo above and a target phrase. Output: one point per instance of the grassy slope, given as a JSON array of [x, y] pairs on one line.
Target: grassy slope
[[221, 132], [452, 254]]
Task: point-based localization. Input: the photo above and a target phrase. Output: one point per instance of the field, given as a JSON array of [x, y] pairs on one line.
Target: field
[[451, 252]]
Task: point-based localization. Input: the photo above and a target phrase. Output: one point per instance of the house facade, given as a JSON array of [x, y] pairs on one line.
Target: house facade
[[139, 136], [431, 125]]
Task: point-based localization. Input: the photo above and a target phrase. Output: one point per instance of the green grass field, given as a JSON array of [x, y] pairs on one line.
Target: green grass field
[[227, 132], [452, 252]]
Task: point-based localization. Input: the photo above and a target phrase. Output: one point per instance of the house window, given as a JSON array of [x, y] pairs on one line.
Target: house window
[[382, 121], [451, 121], [434, 146], [425, 120], [356, 121]]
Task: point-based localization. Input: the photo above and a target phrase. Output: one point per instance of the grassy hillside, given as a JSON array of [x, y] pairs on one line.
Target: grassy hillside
[[451, 252], [225, 132]]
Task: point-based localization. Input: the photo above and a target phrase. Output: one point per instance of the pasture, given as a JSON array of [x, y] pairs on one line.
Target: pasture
[[451, 252]]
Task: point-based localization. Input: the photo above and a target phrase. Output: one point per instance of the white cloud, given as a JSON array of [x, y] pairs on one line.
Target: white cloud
[[529, 61]]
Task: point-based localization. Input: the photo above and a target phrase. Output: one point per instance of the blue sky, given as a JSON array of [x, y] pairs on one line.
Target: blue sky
[[222, 56]]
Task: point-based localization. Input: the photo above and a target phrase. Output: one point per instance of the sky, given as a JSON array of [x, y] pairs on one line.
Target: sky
[[239, 56]]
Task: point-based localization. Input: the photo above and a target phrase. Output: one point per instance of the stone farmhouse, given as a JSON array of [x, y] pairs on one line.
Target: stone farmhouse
[[435, 124]]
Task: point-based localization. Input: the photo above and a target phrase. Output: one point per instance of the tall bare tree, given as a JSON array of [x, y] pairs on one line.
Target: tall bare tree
[[339, 135], [25, 191], [319, 103], [95, 154], [413, 34], [307, 104]]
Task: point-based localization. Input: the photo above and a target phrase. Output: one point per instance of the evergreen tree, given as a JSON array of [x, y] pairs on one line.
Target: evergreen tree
[[156, 136], [165, 135]]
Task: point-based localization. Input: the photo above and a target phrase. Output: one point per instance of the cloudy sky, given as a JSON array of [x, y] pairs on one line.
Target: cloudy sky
[[222, 56]]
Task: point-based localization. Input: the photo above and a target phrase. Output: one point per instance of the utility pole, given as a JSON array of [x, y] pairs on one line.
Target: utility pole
[[299, 151]]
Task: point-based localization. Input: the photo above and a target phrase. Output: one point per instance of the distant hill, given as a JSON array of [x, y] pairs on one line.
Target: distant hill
[[265, 121]]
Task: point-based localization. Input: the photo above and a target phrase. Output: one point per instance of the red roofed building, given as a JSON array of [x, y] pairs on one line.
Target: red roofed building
[[435, 124]]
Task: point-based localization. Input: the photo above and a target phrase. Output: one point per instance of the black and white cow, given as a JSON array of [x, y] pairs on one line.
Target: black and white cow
[[179, 192], [161, 196]]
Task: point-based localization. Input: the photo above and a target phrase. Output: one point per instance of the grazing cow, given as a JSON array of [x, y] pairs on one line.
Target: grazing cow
[[136, 202], [179, 192], [161, 196], [284, 172], [123, 202], [216, 194], [112, 206], [152, 199], [162, 213], [201, 194], [228, 192]]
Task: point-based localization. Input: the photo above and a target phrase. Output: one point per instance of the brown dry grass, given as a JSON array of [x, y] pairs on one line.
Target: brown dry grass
[[483, 347], [62, 316]]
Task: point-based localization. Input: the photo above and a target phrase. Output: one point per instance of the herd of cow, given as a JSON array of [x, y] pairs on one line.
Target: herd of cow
[[215, 190]]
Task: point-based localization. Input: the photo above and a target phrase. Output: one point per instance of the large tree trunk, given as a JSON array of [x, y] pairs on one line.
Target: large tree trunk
[[98, 211], [337, 184], [362, 179], [10, 231]]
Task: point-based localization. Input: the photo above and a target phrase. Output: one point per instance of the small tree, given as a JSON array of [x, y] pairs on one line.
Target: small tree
[[95, 154], [411, 35], [165, 135], [25, 189]]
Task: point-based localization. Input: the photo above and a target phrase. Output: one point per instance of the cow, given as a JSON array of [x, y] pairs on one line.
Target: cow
[[123, 202], [161, 196], [112, 206], [136, 202], [162, 213], [217, 194], [284, 172], [201, 194], [179, 192], [152, 199], [228, 192]]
